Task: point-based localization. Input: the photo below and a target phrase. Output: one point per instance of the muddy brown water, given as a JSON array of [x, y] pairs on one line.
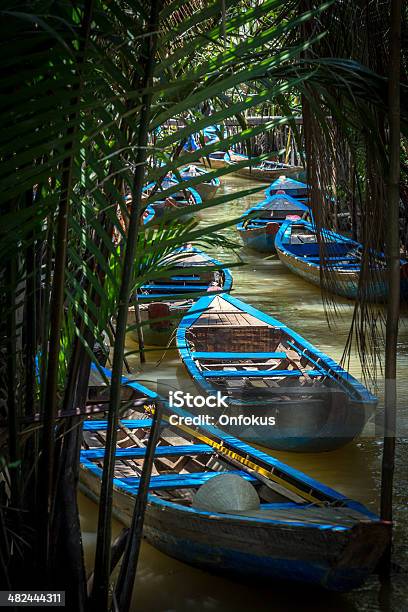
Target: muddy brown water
[[166, 585]]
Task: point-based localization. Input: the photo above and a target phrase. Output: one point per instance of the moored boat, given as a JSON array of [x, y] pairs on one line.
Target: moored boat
[[266, 171], [300, 250], [208, 187], [260, 224], [217, 159], [179, 198], [163, 301], [281, 391], [290, 186], [217, 503]]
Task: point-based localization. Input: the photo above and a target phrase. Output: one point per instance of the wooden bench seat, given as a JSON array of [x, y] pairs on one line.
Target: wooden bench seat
[[180, 481], [258, 373], [232, 356], [161, 451]]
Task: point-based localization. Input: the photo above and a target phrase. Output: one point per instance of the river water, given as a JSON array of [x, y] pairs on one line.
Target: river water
[[164, 584]]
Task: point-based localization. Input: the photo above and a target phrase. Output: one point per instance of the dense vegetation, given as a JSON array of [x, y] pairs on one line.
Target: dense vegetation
[[87, 91]]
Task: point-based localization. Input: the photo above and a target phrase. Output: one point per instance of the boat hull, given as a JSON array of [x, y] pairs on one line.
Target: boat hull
[[314, 418], [266, 176], [213, 162], [260, 239], [300, 427], [335, 559], [207, 190], [343, 283], [158, 334]]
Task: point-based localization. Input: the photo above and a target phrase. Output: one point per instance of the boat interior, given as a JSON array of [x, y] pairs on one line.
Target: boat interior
[[192, 281], [185, 460], [272, 364], [278, 209], [303, 241], [180, 198], [193, 172], [273, 165]]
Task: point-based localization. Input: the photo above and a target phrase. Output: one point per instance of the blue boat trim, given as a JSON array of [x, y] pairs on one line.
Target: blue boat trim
[[128, 423], [169, 481], [245, 449], [182, 481]]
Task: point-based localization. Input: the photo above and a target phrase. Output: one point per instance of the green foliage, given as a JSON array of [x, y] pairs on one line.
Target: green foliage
[[72, 112]]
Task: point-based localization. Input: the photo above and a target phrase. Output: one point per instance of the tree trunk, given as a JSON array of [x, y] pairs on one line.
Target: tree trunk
[[56, 312], [99, 599], [393, 257]]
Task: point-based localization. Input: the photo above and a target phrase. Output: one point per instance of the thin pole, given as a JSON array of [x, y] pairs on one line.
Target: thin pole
[[99, 596], [393, 256], [126, 579], [138, 320]]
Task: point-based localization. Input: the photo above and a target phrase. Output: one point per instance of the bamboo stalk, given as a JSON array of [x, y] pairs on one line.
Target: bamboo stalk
[[139, 329], [57, 309], [393, 256], [127, 574], [30, 319], [11, 374], [118, 548], [99, 597]]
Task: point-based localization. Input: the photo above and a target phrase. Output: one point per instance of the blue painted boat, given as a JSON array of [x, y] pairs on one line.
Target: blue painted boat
[[265, 171], [290, 186], [299, 249], [295, 529], [260, 224], [208, 187], [281, 391], [179, 198], [188, 273], [217, 159]]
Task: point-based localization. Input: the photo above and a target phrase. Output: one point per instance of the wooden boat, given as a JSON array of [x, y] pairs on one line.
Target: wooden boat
[[266, 171], [282, 392], [217, 159], [290, 186], [163, 301], [208, 188], [180, 198], [260, 224], [299, 250], [234, 157], [295, 528]]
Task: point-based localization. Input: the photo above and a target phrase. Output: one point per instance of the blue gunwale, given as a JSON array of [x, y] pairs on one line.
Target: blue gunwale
[[326, 363], [333, 237], [280, 541], [265, 461]]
